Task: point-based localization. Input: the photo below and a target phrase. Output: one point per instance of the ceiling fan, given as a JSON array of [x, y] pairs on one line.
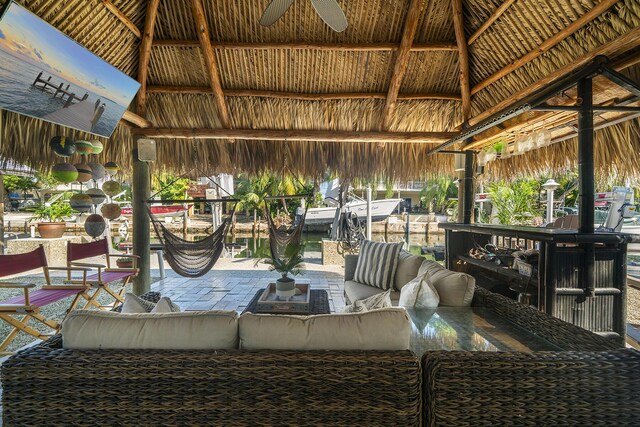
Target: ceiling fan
[[329, 11]]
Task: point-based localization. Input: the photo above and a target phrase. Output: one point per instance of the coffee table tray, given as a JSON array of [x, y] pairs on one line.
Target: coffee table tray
[[298, 304]]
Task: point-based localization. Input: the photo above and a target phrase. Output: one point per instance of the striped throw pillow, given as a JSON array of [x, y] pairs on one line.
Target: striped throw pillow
[[377, 264]]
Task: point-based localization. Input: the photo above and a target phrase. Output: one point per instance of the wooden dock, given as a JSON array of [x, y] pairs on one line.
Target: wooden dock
[[77, 112]]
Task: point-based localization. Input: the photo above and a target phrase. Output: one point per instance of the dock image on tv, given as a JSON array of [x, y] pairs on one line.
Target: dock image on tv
[[46, 75]]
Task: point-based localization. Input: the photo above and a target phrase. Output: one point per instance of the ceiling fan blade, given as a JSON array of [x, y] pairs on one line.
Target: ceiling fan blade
[[331, 13], [274, 11]]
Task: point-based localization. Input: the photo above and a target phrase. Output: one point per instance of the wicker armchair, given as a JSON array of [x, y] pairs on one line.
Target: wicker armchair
[[594, 382]]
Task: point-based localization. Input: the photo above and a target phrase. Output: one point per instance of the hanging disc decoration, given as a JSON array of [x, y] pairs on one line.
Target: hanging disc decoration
[[81, 202], [97, 170], [64, 172], [111, 210], [111, 188], [112, 168], [84, 148], [62, 146], [84, 172], [94, 225], [97, 147], [97, 195]]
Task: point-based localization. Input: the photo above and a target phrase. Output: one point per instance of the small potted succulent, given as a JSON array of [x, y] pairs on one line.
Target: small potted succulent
[[291, 262], [51, 219]]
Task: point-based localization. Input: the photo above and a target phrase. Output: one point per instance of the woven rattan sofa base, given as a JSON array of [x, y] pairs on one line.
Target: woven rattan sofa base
[[50, 386], [594, 383]]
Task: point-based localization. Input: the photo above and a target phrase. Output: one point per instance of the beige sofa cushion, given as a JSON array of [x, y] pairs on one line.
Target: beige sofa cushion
[[384, 329], [454, 289], [357, 291], [197, 330], [407, 270]]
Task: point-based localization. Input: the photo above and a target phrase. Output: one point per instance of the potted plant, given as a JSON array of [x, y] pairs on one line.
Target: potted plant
[[291, 262], [124, 262], [51, 224]]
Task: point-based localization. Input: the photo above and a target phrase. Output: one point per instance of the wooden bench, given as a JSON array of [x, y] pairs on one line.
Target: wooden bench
[[105, 274], [27, 306]]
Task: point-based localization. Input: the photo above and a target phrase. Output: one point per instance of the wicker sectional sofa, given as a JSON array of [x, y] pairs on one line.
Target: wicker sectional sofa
[[590, 382]]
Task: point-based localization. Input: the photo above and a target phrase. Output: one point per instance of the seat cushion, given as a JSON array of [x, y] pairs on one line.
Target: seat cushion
[[384, 329], [377, 264], [407, 270], [357, 291], [377, 301], [195, 330]]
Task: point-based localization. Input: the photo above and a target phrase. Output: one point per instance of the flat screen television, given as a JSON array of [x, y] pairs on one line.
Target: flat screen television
[[47, 75]]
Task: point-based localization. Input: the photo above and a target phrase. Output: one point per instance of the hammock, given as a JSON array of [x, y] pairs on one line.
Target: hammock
[[280, 239], [191, 259]]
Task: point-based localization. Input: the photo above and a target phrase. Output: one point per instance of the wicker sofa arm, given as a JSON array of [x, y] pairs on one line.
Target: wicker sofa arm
[[211, 388], [350, 262], [536, 389]]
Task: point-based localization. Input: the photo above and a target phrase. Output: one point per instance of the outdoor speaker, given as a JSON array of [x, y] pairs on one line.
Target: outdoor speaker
[[147, 150]]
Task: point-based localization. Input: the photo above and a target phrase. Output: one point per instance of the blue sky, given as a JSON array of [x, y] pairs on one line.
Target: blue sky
[[24, 34]]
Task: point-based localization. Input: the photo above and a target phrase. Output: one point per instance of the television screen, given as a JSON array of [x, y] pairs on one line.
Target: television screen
[[47, 75]]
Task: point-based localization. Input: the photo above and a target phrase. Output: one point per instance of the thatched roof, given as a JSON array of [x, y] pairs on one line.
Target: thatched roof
[[388, 73]]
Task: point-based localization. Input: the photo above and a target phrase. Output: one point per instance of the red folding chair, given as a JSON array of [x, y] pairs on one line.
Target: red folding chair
[[27, 306], [105, 275]]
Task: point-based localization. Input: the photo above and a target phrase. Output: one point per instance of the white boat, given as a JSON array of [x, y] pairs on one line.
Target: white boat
[[380, 210]]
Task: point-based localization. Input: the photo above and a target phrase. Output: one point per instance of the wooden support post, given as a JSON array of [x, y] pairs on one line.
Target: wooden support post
[[586, 198], [1, 214], [141, 189]]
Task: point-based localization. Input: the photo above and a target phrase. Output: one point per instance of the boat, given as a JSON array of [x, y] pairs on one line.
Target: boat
[[161, 210], [380, 210]]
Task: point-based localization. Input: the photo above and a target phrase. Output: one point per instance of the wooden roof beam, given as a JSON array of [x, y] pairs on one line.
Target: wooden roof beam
[[302, 96], [122, 18], [352, 47], [296, 135], [135, 119], [401, 62], [145, 54], [596, 11], [624, 43], [202, 29], [463, 58], [494, 16]]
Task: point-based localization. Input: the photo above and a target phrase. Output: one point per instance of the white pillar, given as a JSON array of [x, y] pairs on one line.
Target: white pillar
[[369, 212], [549, 206]]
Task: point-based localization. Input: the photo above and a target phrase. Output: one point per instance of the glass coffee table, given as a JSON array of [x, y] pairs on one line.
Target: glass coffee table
[[318, 303]]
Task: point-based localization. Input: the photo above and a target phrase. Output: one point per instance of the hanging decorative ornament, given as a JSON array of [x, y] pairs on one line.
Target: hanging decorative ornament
[[64, 172], [81, 202], [490, 155], [529, 142], [111, 210], [62, 146], [94, 225], [481, 158], [519, 145], [112, 168], [84, 172], [111, 188], [97, 195], [543, 138], [97, 170], [97, 147], [84, 148]]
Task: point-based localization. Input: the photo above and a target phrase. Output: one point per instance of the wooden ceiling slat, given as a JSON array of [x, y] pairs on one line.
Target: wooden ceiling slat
[[463, 54], [498, 12], [145, 53], [122, 17]]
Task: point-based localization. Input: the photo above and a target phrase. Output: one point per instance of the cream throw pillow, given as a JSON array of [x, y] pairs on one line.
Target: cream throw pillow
[[419, 293], [381, 300], [135, 304]]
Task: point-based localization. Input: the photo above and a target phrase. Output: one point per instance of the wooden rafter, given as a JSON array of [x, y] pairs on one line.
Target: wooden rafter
[[596, 11], [122, 17], [623, 43], [296, 135], [401, 62], [145, 54], [484, 27], [352, 47], [210, 59], [302, 96], [135, 119], [463, 55]]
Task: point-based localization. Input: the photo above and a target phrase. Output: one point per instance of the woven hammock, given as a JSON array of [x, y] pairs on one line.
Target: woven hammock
[[280, 239], [191, 259]]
